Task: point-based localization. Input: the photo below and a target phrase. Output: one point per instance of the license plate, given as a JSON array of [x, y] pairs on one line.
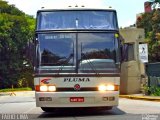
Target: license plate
[[77, 99]]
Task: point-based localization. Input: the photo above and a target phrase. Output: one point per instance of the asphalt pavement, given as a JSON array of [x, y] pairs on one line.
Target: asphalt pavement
[[131, 96], [22, 104]]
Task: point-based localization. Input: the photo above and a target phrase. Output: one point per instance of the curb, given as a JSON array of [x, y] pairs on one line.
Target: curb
[[16, 93], [4, 94], [147, 98]]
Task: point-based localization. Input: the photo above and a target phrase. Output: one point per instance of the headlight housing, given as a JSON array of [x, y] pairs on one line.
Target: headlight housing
[[51, 88], [44, 88], [106, 88], [111, 87]]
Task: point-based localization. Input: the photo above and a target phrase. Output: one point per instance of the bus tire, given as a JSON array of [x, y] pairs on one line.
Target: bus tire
[[105, 108], [47, 109], [109, 108]]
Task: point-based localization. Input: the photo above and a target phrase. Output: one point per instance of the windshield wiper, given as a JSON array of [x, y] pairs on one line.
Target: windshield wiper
[[90, 63], [65, 62]]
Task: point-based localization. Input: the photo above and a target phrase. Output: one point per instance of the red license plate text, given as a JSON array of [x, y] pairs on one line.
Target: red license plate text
[[77, 99]]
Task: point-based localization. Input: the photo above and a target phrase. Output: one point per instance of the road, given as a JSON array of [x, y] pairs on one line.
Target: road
[[127, 110]]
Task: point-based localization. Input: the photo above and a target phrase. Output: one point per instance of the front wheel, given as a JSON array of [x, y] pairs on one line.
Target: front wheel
[[105, 108], [48, 109], [109, 108]]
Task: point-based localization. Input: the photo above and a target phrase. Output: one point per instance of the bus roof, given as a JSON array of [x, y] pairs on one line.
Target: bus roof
[[75, 6], [58, 9]]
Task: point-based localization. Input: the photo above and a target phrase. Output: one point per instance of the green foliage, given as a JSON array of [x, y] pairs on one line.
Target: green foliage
[[151, 23], [154, 90], [9, 9], [26, 79], [16, 31], [145, 22], [154, 3]]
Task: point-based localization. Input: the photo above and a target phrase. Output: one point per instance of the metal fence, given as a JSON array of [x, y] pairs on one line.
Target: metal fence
[[153, 72], [154, 81]]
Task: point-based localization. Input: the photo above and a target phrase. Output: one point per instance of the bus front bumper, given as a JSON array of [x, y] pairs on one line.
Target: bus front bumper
[[77, 99]]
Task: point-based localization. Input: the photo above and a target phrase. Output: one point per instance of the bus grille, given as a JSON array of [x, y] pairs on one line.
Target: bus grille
[[72, 89], [81, 89]]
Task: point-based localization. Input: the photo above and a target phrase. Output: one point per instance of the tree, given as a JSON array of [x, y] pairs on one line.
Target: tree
[[151, 23], [16, 31], [154, 3]]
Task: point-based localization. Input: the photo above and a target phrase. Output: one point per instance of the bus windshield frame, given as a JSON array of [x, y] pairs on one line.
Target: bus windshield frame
[[82, 51], [72, 48], [77, 19]]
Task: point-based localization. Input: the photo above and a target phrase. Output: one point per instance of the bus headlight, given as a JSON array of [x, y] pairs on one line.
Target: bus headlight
[[51, 88], [47, 88], [102, 88], [106, 87], [110, 87], [43, 88]]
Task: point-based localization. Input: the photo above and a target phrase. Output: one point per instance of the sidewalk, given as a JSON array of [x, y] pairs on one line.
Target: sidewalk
[[141, 97], [4, 93], [18, 93]]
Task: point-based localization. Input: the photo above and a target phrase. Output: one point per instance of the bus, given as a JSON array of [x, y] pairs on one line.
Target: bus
[[77, 58]]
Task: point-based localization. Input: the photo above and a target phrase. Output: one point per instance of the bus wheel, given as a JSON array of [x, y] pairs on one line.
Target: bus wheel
[[105, 108], [47, 109]]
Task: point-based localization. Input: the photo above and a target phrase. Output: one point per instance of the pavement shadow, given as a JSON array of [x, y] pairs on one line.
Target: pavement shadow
[[81, 112]]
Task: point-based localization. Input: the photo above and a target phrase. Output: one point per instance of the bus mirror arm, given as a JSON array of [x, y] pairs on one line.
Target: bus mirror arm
[[36, 41]]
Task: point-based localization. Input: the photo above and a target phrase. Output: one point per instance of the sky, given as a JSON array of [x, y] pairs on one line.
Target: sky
[[126, 9]]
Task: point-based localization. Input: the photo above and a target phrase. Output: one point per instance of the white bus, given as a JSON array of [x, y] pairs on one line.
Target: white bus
[[77, 58]]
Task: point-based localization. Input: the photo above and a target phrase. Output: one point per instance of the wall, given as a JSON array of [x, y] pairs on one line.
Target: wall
[[133, 69]]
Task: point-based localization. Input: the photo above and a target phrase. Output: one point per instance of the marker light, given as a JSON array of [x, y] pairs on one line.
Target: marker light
[[51, 88], [43, 88]]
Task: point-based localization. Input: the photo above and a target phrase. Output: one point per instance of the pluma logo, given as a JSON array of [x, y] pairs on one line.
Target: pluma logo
[[45, 80]]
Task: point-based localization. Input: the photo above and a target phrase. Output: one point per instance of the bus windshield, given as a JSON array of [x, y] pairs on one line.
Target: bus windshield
[[77, 19], [96, 51]]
